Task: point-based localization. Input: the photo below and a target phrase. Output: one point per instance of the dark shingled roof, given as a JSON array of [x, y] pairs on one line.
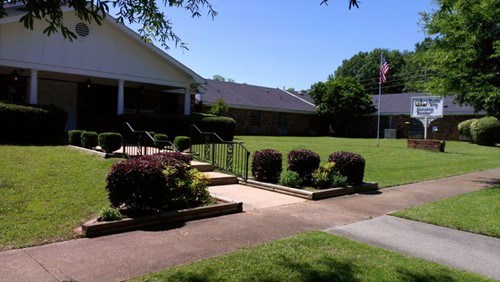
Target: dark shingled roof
[[393, 104], [244, 96]]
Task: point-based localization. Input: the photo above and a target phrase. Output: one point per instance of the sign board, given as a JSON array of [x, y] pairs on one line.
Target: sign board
[[427, 107]]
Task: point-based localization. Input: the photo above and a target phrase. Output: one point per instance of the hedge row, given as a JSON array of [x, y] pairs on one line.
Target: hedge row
[[172, 125], [31, 123], [483, 131]]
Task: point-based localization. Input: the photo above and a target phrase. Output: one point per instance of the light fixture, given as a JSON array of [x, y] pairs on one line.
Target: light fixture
[[89, 83], [15, 76]]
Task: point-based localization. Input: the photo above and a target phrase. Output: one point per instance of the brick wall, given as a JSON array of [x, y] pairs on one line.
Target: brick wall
[[297, 124], [366, 126]]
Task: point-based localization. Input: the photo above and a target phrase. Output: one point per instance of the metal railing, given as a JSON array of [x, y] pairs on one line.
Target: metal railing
[[227, 156], [140, 143]]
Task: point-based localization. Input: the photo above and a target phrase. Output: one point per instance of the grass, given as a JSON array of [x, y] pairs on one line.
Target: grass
[[313, 256], [392, 163], [47, 191], [477, 212]]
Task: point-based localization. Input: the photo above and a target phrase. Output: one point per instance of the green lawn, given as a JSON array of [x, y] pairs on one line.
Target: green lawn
[[392, 163], [313, 256], [477, 212], [47, 191]]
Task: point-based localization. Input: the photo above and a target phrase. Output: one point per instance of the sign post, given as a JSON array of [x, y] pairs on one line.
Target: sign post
[[426, 109]]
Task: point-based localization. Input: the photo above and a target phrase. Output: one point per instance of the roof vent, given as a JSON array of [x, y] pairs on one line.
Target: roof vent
[[82, 29]]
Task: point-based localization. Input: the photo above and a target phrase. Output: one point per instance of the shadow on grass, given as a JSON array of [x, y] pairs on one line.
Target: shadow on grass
[[323, 269], [489, 181], [407, 275]]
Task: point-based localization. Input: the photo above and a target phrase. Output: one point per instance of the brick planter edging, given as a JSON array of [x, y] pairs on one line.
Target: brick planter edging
[[431, 145], [316, 195], [94, 228]]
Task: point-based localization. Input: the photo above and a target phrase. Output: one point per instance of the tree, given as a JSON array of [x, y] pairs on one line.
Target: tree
[[218, 77], [155, 24], [339, 99], [465, 54], [365, 66], [220, 108]]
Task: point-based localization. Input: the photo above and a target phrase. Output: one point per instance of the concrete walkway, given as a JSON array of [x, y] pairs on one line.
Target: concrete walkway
[[458, 249], [123, 256]]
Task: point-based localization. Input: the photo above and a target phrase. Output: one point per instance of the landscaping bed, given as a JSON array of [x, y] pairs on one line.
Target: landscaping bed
[[94, 228], [319, 193]]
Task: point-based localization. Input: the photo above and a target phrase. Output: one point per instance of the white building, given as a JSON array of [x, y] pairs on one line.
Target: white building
[[109, 70]]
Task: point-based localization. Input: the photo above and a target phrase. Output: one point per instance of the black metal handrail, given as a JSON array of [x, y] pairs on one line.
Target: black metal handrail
[[227, 156], [139, 143]]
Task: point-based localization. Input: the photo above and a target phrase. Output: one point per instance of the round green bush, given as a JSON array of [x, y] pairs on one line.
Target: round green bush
[[464, 127], [267, 165], [89, 139], [160, 140], [75, 137], [485, 131], [290, 179], [182, 143], [110, 141], [350, 165], [304, 162]]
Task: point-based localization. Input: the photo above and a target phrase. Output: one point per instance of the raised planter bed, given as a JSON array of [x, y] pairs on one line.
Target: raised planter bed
[[315, 195], [431, 145], [94, 228]]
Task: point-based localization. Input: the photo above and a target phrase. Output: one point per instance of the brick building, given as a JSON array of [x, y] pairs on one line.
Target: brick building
[[395, 119], [263, 110]]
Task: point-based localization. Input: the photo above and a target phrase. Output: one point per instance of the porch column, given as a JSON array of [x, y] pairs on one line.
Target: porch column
[[33, 87], [187, 102], [121, 97]]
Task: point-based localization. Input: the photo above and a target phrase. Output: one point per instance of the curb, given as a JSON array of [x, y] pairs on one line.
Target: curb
[[316, 195], [94, 228]]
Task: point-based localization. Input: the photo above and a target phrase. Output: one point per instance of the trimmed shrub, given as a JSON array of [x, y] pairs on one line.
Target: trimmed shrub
[[110, 141], [267, 165], [322, 177], [89, 139], [223, 126], [31, 123], [138, 184], [485, 131], [464, 127], [350, 165], [160, 140], [182, 143], [304, 162], [75, 137], [290, 179]]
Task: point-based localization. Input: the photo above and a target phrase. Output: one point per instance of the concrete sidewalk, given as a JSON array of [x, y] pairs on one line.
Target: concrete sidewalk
[[123, 256], [458, 249]]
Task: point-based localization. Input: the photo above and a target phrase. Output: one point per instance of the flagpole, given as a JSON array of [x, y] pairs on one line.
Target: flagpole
[[378, 107]]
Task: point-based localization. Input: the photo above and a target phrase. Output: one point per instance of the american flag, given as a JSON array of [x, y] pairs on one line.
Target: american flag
[[384, 69]]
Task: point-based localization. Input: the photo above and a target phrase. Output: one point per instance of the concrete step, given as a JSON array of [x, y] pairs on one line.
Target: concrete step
[[218, 178], [203, 167]]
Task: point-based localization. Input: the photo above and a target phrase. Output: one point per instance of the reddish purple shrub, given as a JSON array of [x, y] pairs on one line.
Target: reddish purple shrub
[[267, 165], [139, 185], [304, 162], [350, 165]]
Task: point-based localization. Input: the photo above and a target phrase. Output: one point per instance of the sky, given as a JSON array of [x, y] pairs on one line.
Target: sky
[[292, 43]]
